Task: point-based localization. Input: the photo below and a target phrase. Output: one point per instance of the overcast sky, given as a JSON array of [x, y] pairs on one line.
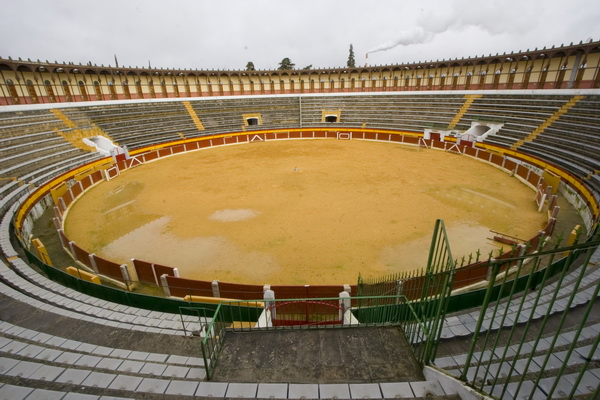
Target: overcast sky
[[223, 34]]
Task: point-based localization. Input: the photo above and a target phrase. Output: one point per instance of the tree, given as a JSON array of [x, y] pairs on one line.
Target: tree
[[250, 66], [308, 67], [286, 63], [351, 62]]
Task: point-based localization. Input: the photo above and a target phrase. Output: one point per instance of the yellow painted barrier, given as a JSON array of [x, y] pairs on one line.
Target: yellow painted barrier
[[217, 300], [86, 276], [41, 251]]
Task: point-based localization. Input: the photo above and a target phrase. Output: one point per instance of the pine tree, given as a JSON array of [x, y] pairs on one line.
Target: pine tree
[[250, 66], [351, 62], [286, 63]]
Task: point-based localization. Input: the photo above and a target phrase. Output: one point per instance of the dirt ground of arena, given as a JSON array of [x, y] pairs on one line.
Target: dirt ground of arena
[[300, 212]]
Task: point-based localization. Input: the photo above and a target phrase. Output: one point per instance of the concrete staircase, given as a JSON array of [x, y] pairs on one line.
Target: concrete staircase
[[74, 134], [470, 99], [540, 129], [193, 115]]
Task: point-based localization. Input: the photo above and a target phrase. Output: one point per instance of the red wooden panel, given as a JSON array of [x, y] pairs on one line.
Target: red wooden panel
[[295, 135], [163, 270], [97, 176], [290, 292], [230, 140], [218, 141], [383, 136], [150, 156], [67, 198], [164, 152], [324, 291], [396, 138], [411, 139], [86, 182], [240, 291], [180, 287], [81, 255], [510, 165], [534, 179], [178, 149], [522, 171], [191, 146], [496, 159], [204, 144], [109, 268], [370, 135], [482, 154], [469, 151], [144, 272], [437, 144], [271, 135], [76, 190]]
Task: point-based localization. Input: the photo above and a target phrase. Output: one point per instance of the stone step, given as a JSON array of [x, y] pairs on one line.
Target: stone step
[[120, 387]]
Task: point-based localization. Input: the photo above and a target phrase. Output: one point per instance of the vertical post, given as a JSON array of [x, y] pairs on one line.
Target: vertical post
[[165, 285], [269, 297], [215, 289], [126, 276], [93, 262], [344, 304]]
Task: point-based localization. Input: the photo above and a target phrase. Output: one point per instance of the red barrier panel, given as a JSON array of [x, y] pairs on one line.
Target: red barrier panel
[[295, 135], [163, 270], [496, 159], [510, 165], [204, 144], [97, 176], [290, 292], [240, 291], [369, 135], [218, 141], [470, 151], [164, 152], [230, 140], [108, 268], [67, 198], [178, 149], [81, 255], [86, 182], [145, 272], [469, 275], [411, 140], [180, 287], [76, 189], [522, 171], [191, 146]]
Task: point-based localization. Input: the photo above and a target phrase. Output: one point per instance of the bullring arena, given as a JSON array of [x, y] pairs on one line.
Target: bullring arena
[[442, 214]]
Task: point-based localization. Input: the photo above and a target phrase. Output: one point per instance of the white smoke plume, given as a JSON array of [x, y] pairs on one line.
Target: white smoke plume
[[415, 36], [457, 15]]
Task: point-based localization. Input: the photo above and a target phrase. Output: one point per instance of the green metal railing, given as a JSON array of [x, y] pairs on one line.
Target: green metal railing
[[554, 283]]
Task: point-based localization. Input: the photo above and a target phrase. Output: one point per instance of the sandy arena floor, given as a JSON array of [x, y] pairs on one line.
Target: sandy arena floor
[[300, 212]]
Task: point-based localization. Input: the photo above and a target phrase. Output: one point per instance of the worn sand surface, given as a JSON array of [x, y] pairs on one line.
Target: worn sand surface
[[300, 212]]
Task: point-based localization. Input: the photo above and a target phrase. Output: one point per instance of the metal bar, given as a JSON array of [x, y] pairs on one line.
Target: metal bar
[[486, 301], [496, 306], [545, 277], [586, 315], [563, 318], [563, 273]]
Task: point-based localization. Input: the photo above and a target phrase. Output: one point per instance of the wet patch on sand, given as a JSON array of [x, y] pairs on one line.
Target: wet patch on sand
[[201, 257], [231, 215]]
